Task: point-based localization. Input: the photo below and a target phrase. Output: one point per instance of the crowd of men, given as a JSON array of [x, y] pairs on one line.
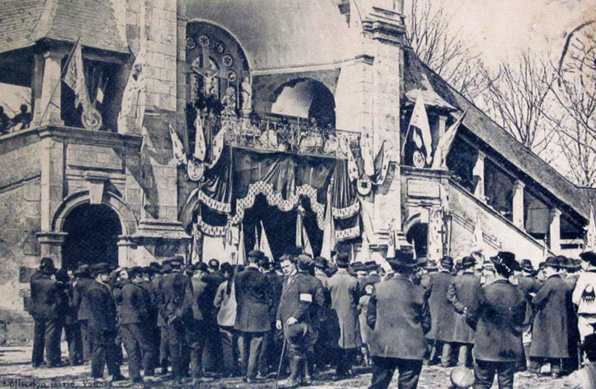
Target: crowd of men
[[300, 315]]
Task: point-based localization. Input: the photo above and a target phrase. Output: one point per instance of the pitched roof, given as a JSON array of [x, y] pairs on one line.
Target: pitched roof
[[504, 144], [24, 22]]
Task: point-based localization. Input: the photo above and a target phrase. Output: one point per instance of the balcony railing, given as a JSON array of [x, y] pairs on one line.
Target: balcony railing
[[283, 135]]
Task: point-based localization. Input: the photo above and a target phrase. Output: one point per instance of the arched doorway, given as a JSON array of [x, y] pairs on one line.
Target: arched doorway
[[93, 232], [306, 98], [417, 235]]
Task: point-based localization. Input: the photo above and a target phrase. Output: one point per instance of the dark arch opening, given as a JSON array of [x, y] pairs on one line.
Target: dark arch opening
[[93, 232], [418, 235], [305, 98]]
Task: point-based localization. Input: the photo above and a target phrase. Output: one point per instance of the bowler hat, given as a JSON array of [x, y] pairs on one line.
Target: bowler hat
[[552, 262], [506, 259], [135, 271], [589, 256], [371, 266], [468, 261], [47, 265], [403, 257], [82, 270], [200, 266], [166, 268], [447, 261], [296, 331], [589, 344], [343, 258], [527, 266], [320, 263], [100, 268], [304, 262], [256, 254], [358, 266]]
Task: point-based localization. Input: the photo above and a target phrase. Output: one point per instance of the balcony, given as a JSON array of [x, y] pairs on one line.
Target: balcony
[[285, 134]]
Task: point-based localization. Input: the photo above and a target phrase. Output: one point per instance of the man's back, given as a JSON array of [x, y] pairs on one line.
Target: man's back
[[44, 297], [254, 299]]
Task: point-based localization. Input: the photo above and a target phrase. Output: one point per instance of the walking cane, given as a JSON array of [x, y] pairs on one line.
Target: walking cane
[[281, 361]]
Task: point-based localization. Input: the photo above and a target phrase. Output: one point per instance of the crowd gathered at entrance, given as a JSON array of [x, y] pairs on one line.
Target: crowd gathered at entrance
[[295, 317]]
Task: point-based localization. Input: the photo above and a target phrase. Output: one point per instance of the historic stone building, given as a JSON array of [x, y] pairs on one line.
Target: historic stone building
[[280, 110]]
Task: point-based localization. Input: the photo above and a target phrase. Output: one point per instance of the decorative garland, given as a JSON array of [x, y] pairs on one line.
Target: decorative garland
[[348, 233], [214, 204], [344, 213]]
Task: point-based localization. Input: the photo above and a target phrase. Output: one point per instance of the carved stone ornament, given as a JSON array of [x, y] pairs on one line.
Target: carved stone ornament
[[190, 43], [91, 119]]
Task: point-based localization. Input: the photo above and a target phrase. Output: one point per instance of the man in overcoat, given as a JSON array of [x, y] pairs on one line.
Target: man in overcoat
[[102, 324], [269, 357], [298, 307], [345, 293], [254, 299], [175, 302], [202, 310], [45, 309], [137, 326], [399, 318], [80, 286], [463, 295], [549, 334], [442, 313], [529, 285], [498, 321]]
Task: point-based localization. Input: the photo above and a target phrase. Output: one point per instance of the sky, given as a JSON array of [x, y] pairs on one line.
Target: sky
[[501, 29]]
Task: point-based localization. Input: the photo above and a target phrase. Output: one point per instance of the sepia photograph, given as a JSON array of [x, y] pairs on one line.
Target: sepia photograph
[[298, 193]]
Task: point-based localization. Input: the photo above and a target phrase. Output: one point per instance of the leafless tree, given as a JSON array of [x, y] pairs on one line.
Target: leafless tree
[[575, 93], [439, 47], [518, 96]]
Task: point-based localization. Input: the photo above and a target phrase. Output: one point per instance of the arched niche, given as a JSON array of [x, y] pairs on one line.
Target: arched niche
[[305, 98]]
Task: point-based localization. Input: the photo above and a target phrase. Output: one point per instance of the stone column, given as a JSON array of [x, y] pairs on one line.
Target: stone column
[[51, 245], [478, 174], [518, 204], [555, 230], [48, 107]]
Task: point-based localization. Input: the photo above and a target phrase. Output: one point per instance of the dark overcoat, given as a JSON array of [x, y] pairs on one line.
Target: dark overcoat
[[529, 286], [276, 282], [45, 297], [498, 320], [398, 315], [549, 333], [463, 293], [345, 293], [442, 314], [79, 297], [175, 296], [254, 298], [102, 321], [135, 305], [301, 299]]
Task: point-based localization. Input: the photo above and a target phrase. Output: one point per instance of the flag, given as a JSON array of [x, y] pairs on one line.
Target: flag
[[353, 172], [419, 120], [444, 145], [257, 245], [195, 245], [590, 243], [329, 228], [264, 245], [200, 146], [299, 227], [74, 77], [217, 148], [132, 110], [391, 245], [381, 164], [478, 237], [177, 147], [307, 247], [366, 149], [241, 256]]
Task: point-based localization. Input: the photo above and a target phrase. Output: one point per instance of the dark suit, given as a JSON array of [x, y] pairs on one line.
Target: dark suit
[[200, 327], [212, 353], [498, 321], [175, 302], [254, 299], [463, 294], [442, 314], [102, 329], [81, 307], [137, 330], [72, 327], [45, 304], [399, 318], [269, 356]]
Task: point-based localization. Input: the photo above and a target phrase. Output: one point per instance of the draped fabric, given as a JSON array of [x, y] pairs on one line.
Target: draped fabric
[[240, 175]]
